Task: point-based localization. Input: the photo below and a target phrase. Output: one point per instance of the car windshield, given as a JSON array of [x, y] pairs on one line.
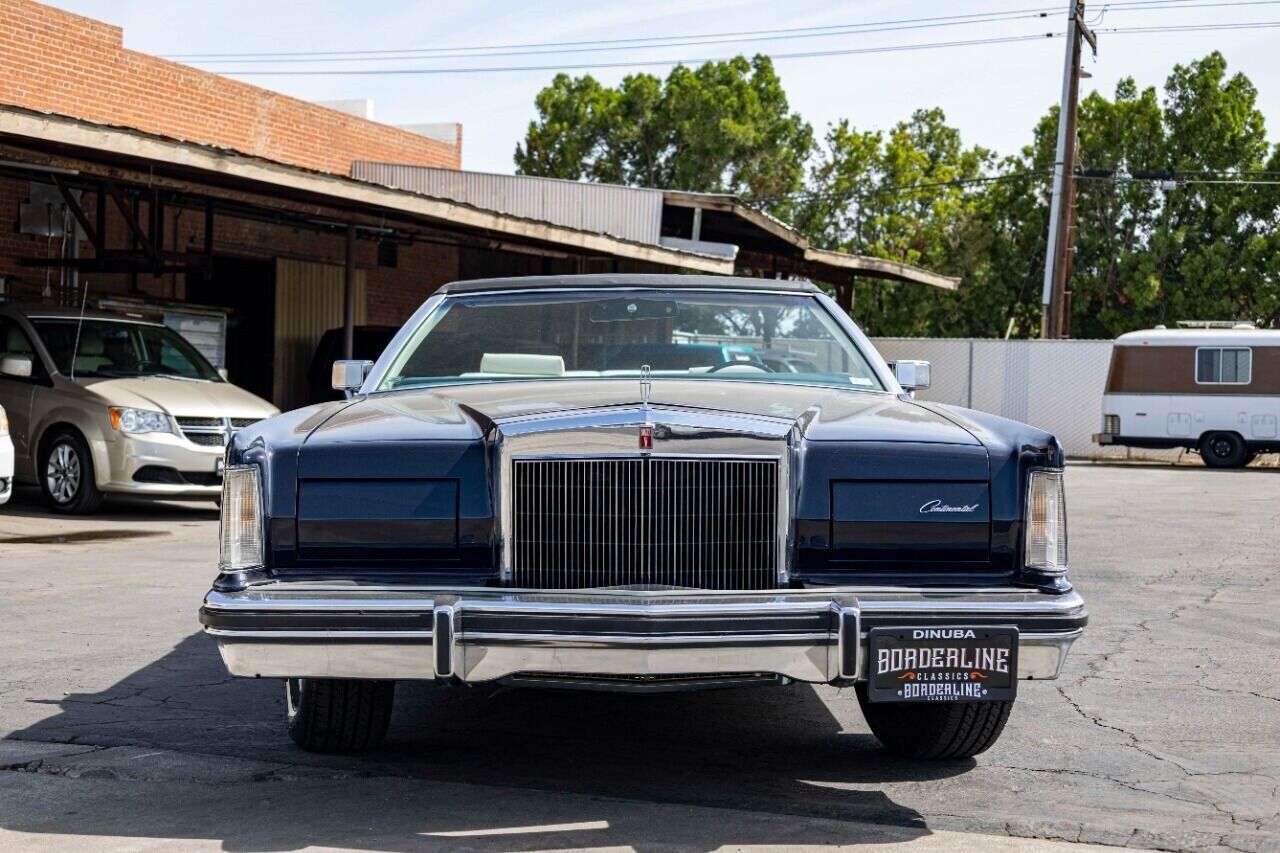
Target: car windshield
[[573, 335], [114, 348]]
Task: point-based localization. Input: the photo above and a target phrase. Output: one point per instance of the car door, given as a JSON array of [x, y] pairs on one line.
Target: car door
[[17, 393]]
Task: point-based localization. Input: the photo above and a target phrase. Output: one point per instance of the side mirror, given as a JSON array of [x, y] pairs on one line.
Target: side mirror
[[348, 376], [222, 371], [18, 366], [912, 375]]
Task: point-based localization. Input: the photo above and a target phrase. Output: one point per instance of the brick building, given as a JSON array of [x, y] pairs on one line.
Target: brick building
[[139, 184]]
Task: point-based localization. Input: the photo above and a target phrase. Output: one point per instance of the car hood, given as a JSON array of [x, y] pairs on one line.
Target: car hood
[[462, 412], [183, 398]]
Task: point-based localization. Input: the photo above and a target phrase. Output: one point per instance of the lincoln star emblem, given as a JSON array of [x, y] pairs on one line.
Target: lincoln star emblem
[[645, 384]]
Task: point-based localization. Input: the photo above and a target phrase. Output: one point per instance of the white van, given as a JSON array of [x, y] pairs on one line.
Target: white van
[[1212, 390]]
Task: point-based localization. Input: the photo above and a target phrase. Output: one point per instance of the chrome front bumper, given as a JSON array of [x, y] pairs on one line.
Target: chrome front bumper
[[292, 629]]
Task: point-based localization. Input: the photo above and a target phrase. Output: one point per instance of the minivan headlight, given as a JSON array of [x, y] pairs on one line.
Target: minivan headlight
[[1046, 549], [241, 528], [138, 421]]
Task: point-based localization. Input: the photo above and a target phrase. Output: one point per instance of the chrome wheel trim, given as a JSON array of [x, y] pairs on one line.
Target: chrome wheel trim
[[292, 696], [62, 473]]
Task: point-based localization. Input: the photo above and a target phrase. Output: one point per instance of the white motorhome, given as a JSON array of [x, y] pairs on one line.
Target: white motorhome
[[1215, 390]]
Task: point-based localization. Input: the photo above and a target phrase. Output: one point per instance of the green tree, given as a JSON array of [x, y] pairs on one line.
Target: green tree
[[1147, 251], [1197, 248], [1204, 246], [721, 127], [915, 194]]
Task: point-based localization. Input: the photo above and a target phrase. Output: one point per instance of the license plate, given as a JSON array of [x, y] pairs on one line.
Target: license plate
[[951, 664]]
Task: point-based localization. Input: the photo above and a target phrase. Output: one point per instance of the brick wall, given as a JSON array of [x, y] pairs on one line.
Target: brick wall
[[54, 61]]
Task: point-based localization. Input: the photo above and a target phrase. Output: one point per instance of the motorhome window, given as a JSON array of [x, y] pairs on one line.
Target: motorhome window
[[1224, 365]]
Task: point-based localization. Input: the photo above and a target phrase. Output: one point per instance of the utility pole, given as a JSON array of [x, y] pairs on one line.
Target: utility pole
[[1061, 233]]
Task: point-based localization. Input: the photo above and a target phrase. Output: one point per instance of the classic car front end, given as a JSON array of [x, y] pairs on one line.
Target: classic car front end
[[509, 497]]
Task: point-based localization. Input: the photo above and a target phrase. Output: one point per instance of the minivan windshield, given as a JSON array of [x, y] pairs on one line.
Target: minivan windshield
[[118, 348], [775, 337]]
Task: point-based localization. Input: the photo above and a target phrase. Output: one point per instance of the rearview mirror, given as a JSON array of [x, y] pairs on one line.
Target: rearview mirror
[[349, 375], [621, 310], [912, 375], [18, 366]]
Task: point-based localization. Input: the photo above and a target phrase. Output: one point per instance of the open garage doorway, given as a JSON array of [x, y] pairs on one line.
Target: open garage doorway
[[309, 300], [246, 288]]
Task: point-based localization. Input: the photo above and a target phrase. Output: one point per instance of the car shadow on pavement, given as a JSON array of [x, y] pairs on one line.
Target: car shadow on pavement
[[181, 721], [27, 502]]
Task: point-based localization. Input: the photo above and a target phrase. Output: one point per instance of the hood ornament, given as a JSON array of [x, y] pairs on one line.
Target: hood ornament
[[646, 385]]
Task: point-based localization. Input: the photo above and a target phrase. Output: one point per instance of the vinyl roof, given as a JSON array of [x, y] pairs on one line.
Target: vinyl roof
[[625, 280]]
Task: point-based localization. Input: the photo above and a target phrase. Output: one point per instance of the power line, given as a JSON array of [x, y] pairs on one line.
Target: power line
[[898, 188], [691, 40], [854, 51], [1126, 179], [579, 66], [1179, 176], [641, 41], [673, 41]]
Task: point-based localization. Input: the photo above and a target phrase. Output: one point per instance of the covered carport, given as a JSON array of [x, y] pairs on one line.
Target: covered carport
[[134, 221]]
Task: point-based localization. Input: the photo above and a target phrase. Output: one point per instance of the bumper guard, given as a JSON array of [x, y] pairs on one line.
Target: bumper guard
[[292, 629]]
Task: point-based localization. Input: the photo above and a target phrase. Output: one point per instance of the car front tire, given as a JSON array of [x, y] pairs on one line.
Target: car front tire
[[67, 475], [338, 715], [935, 730], [1224, 450]]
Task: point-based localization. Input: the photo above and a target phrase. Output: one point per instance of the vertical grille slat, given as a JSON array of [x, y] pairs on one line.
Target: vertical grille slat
[[660, 521]]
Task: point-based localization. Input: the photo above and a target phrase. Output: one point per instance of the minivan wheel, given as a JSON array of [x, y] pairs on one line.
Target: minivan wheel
[[338, 714], [1224, 450], [935, 730], [66, 474]]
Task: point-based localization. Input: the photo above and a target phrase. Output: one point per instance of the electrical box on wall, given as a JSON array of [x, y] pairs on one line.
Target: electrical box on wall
[[45, 213]]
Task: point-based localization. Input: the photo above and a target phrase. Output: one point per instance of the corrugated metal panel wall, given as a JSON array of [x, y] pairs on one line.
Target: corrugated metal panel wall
[[1055, 385], [627, 212], [309, 302]]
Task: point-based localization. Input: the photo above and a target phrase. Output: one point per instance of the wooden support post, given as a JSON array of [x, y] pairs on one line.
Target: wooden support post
[[844, 296], [130, 218], [1061, 238], [349, 296], [208, 239], [78, 212]]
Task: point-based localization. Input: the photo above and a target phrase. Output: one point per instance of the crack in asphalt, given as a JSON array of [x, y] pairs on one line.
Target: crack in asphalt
[[1097, 663]]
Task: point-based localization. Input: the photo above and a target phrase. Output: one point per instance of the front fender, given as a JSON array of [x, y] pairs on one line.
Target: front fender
[[96, 430]]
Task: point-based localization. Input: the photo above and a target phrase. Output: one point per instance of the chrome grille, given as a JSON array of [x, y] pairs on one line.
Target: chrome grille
[[702, 523], [206, 432]]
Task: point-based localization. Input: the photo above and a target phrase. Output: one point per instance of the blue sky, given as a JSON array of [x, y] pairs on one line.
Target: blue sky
[[993, 93]]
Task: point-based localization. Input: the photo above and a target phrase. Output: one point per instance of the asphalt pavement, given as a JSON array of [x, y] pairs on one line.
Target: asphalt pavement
[[121, 729]]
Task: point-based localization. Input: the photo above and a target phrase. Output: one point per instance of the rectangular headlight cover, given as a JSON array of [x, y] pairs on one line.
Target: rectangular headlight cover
[[241, 531], [1046, 523]]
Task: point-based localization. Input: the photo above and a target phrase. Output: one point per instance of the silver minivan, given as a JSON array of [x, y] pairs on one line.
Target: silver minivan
[[98, 403]]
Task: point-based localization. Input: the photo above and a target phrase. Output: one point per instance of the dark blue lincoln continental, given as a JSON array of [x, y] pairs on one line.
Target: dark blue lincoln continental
[[640, 482]]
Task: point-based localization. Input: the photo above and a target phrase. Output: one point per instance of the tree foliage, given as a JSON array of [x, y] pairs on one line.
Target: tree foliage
[[721, 127], [1200, 246]]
